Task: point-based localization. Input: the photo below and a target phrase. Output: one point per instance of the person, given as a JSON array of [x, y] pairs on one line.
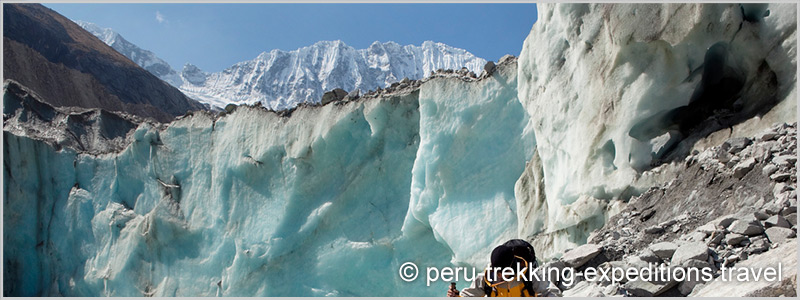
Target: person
[[519, 256]]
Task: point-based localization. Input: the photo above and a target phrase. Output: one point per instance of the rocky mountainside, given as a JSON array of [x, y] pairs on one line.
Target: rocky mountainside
[[283, 79], [68, 66]]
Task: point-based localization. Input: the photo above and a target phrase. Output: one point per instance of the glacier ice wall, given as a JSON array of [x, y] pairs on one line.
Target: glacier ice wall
[[612, 88], [471, 152], [256, 204]]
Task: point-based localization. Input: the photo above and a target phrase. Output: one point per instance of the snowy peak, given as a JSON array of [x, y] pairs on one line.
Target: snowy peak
[[193, 74], [282, 79], [106, 35], [144, 58]]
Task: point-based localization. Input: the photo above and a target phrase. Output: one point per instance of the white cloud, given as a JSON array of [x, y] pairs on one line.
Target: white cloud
[[160, 18]]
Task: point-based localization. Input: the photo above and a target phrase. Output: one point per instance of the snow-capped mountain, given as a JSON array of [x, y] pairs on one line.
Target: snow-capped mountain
[[282, 79], [144, 58]]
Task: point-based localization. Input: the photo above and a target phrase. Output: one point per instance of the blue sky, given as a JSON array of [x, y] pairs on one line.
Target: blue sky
[[216, 36]]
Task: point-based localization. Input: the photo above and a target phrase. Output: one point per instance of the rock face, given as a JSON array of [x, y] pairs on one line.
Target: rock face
[[74, 68], [614, 91]]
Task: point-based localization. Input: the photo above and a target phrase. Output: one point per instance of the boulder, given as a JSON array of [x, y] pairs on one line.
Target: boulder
[[746, 228], [743, 167], [761, 215], [649, 256], [792, 218], [694, 250], [769, 169], [780, 176], [354, 94], [334, 95], [737, 144], [641, 288], [489, 67], [724, 221], [654, 229], [579, 256], [664, 250], [734, 239], [778, 235], [777, 221], [758, 245], [505, 58], [784, 160]]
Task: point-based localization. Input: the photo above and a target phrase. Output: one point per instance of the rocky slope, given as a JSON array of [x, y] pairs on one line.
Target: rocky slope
[[283, 79], [68, 66], [732, 205], [144, 58]]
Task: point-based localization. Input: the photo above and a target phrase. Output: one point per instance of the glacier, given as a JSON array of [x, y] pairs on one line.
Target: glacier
[[591, 75], [330, 200], [213, 206]]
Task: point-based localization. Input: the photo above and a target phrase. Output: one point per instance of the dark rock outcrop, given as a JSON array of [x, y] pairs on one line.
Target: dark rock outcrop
[[68, 66]]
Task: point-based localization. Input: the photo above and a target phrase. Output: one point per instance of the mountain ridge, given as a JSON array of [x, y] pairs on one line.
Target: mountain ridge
[[282, 79]]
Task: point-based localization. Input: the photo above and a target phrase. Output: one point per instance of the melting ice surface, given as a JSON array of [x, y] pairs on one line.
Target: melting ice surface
[[330, 201]]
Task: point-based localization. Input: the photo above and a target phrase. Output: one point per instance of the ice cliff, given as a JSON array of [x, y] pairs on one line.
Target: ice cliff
[[332, 199], [211, 205], [613, 90]]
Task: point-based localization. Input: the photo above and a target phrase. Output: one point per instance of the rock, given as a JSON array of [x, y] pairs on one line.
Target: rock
[[761, 215], [643, 288], [769, 169], [695, 250], [334, 95], [724, 221], [693, 278], [708, 228], [767, 135], [664, 250], [788, 210], [758, 245], [505, 58], [654, 229], [737, 144], [734, 239], [650, 256], [778, 235], [405, 80], [742, 168], [784, 160], [354, 94], [230, 108], [780, 176], [489, 68], [669, 223], [584, 289], [697, 236], [792, 218], [777, 221], [716, 238], [579, 256], [746, 228], [786, 285]]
